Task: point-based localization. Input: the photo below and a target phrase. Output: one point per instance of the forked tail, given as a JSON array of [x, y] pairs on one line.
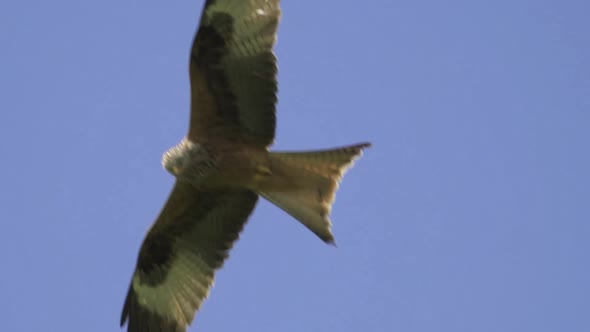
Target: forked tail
[[304, 184]]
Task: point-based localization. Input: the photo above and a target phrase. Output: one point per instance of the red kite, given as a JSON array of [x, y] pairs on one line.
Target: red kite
[[223, 165]]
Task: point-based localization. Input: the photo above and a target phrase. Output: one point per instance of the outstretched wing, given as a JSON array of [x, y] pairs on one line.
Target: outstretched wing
[[178, 258], [233, 71]]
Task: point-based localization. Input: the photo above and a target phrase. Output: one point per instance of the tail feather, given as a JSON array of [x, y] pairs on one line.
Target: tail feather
[[334, 161], [304, 184]]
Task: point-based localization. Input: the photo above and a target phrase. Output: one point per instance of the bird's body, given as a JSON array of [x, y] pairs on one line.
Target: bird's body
[[218, 164], [224, 165]]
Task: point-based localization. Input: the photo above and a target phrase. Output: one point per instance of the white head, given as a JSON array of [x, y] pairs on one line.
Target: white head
[[187, 160], [175, 160]]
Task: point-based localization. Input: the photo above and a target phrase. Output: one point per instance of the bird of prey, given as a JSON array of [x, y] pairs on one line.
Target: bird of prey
[[223, 165]]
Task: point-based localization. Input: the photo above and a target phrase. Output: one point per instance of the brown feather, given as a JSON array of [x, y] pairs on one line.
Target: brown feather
[[176, 266], [233, 72]]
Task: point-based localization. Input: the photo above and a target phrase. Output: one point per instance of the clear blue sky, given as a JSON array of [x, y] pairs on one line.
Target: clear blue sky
[[470, 213]]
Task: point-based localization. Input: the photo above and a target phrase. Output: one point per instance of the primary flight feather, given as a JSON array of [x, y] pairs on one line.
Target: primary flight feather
[[223, 165]]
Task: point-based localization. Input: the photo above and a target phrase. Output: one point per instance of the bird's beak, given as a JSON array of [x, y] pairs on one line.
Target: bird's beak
[[176, 170]]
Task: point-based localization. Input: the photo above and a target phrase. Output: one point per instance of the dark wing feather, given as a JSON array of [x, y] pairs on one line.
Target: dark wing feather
[[178, 258], [233, 71]]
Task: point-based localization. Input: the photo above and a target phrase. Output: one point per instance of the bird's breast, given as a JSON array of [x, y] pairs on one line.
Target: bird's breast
[[240, 166]]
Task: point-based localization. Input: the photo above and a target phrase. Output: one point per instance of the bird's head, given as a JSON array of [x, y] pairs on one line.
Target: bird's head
[[187, 160], [177, 159]]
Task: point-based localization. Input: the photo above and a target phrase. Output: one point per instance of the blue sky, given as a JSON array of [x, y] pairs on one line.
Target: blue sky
[[470, 213]]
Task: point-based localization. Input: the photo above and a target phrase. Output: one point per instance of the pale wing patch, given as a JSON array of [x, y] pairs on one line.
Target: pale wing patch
[[182, 251], [250, 64], [181, 292]]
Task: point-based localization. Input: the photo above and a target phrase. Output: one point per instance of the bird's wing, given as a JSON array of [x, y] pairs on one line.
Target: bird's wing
[[233, 71], [178, 258]]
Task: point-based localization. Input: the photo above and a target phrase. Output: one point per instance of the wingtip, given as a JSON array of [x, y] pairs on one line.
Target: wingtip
[[364, 145], [329, 239], [125, 312], [359, 148]]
